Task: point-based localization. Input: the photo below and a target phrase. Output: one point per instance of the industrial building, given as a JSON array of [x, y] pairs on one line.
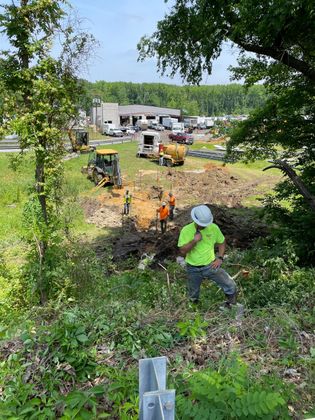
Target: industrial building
[[113, 113]]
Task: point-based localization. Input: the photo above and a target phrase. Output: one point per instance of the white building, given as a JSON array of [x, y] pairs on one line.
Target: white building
[[113, 113]]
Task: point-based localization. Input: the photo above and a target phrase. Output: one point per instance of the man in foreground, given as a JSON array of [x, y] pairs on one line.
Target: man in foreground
[[196, 243]]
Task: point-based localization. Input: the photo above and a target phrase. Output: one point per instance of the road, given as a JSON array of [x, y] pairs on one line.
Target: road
[[11, 145], [207, 154]]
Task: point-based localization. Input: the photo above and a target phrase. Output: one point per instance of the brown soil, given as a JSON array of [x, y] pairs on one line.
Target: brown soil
[[139, 232]]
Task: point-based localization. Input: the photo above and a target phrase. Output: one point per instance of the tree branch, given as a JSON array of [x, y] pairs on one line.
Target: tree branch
[[282, 56], [289, 171]]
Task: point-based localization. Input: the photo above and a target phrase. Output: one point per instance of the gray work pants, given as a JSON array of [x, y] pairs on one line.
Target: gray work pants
[[196, 274]]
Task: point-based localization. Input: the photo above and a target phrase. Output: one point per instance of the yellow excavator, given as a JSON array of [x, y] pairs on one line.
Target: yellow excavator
[[79, 139], [103, 168]]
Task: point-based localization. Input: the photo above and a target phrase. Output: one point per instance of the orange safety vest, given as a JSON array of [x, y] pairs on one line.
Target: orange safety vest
[[172, 201], [163, 212]]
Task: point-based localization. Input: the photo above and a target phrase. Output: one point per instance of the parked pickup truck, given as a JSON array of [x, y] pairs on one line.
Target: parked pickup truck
[[180, 137]]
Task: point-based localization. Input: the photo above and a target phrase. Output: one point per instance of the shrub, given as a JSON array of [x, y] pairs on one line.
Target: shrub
[[228, 393]]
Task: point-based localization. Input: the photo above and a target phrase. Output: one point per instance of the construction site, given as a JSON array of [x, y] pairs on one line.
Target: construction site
[[198, 181]]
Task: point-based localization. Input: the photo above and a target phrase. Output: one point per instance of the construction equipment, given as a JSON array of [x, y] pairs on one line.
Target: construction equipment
[[79, 138], [103, 168], [150, 146]]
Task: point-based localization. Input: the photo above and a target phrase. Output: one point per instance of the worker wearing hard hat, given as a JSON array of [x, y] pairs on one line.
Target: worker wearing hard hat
[[171, 202], [163, 213], [161, 158], [196, 243], [127, 202]]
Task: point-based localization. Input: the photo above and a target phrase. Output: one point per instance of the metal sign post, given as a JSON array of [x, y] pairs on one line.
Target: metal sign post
[[156, 402]]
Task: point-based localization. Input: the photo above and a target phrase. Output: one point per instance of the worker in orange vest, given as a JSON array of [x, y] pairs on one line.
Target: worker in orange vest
[[171, 203], [164, 213]]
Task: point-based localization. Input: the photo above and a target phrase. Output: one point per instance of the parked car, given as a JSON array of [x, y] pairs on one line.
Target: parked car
[[159, 127], [180, 137], [130, 131], [122, 128], [202, 126], [115, 132], [133, 127]]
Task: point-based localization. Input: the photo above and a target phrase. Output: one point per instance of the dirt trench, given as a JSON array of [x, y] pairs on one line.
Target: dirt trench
[[139, 232]]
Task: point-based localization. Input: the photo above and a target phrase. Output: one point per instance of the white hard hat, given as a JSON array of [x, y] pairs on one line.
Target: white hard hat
[[163, 204], [202, 215]]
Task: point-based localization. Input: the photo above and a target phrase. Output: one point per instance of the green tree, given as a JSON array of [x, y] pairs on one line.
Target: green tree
[[41, 99], [206, 100], [192, 35]]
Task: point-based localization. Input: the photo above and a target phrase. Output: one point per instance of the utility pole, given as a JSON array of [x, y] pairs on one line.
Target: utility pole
[[96, 104]]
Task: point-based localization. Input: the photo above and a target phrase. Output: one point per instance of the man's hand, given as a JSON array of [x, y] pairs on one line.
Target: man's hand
[[197, 236], [188, 247], [216, 263]]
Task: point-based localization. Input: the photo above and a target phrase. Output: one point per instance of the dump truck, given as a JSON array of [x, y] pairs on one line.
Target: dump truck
[[103, 168], [150, 146]]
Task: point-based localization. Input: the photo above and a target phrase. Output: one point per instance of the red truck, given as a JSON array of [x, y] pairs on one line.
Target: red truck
[[183, 138]]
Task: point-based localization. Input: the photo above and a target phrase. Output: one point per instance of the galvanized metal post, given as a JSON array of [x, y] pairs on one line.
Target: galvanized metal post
[[156, 403], [159, 405]]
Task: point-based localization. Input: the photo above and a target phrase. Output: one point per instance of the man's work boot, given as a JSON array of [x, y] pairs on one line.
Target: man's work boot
[[230, 301]]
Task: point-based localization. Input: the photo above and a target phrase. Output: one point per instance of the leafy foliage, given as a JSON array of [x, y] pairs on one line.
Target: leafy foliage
[[276, 278], [40, 100], [192, 328], [192, 100], [283, 33], [228, 394]]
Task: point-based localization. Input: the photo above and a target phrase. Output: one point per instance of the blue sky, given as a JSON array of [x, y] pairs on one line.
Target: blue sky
[[118, 25]]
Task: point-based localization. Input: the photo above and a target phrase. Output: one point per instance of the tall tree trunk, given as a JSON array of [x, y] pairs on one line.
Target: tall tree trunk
[[42, 244]]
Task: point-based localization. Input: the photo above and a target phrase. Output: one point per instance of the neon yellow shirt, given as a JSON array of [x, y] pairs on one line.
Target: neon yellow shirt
[[203, 252]]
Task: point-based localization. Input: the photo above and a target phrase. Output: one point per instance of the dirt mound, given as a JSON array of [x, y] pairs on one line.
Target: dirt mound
[[239, 232], [215, 185]]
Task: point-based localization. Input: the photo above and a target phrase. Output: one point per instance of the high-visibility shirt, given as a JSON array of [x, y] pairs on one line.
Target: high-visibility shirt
[[163, 212], [203, 252], [172, 201], [127, 199]]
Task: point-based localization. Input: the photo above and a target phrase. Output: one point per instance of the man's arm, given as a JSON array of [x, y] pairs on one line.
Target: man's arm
[[190, 245], [219, 259], [221, 249]]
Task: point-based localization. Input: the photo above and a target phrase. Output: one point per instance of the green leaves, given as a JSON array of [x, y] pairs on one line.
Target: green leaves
[[193, 328], [228, 394]]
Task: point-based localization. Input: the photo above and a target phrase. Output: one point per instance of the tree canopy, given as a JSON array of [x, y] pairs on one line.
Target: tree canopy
[[193, 34], [192, 100]]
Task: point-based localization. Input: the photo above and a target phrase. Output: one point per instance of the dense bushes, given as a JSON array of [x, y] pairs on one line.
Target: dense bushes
[[275, 277]]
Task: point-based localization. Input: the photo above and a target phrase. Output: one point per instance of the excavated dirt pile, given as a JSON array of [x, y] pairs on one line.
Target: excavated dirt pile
[[139, 232]]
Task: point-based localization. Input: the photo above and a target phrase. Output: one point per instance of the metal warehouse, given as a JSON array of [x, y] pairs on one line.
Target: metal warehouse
[[105, 112]]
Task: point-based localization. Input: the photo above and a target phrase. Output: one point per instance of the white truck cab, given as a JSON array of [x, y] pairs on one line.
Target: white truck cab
[[148, 143]]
